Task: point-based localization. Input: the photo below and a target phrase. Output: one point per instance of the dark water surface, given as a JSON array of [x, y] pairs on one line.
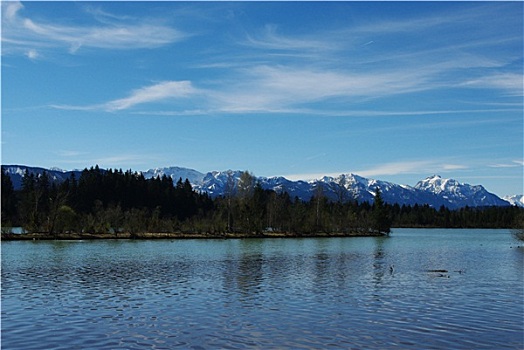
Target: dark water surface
[[267, 293]]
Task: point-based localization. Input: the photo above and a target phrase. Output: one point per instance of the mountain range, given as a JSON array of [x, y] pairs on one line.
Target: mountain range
[[434, 190]]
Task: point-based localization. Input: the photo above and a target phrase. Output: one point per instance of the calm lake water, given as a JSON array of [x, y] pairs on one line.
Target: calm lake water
[[267, 293]]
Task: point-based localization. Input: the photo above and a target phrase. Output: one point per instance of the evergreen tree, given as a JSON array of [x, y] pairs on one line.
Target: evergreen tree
[[9, 202], [381, 222], [30, 200]]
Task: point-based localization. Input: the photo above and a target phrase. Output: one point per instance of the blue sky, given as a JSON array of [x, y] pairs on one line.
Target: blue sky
[[386, 90]]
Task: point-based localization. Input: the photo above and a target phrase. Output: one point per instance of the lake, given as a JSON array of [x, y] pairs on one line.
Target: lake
[[431, 289]]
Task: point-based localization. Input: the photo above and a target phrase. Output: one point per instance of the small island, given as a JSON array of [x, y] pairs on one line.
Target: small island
[[112, 204]]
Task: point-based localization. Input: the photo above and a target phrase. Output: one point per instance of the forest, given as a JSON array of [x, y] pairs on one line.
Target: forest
[[114, 201]]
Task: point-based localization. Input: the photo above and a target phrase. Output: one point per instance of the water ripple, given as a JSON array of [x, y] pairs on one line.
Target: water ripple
[[241, 294]]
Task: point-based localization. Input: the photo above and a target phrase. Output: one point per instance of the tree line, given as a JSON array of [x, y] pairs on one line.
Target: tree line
[[114, 201]]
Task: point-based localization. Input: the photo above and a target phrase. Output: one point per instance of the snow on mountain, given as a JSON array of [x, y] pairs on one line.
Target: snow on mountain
[[516, 199], [458, 194], [218, 183], [16, 172], [434, 190], [215, 183], [175, 173], [344, 187], [303, 190], [364, 190]]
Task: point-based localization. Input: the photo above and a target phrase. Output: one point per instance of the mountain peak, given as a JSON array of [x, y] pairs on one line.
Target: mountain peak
[[517, 200], [175, 173], [434, 182]]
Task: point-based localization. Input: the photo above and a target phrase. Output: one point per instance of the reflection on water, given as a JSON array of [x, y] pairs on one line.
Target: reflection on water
[[273, 293]]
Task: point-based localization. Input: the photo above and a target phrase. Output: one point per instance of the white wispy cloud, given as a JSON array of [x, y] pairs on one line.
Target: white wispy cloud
[[66, 107], [422, 167], [21, 34], [270, 89], [121, 159], [103, 16], [450, 167], [484, 17], [70, 153], [164, 90], [270, 39], [286, 90], [333, 75], [153, 93], [276, 87], [411, 167], [432, 124], [511, 82], [83, 158], [512, 164], [339, 71], [10, 10]]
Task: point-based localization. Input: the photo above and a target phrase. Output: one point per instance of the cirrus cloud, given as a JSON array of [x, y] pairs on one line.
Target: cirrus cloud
[[411, 167], [21, 34], [388, 169], [153, 93]]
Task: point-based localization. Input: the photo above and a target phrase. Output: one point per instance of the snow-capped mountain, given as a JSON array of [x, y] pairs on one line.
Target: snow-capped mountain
[[16, 172], [458, 194], [175, 173], [434, 190], [215, 183], [364, 189], [516, 199]]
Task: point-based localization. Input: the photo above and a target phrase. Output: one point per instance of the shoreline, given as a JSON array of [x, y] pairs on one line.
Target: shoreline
[[172, 235]]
